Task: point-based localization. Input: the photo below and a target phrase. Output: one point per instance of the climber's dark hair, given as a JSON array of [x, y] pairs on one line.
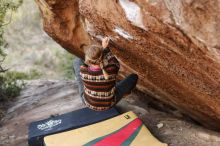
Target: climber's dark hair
[[94, 55]]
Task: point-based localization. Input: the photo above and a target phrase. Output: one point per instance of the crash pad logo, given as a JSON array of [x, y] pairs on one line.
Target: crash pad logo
[[49, 124]]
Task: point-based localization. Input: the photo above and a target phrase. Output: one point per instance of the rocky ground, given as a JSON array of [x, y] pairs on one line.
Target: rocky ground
[[43, 98]]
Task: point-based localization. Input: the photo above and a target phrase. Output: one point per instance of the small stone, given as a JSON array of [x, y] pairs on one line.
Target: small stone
[[160, 125], [11, 137], [204, 135], [3, 137]]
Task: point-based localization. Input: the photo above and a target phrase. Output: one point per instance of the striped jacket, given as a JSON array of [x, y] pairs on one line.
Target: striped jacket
[[99, 93]]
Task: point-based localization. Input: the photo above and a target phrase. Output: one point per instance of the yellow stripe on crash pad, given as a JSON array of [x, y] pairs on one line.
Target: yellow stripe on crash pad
[[85, 134], [81, 136], [145, 138]]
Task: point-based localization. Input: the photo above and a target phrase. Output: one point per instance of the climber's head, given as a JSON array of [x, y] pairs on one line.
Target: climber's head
[[93, 55]]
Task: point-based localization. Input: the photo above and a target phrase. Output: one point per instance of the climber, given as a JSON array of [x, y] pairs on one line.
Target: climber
[[96, 78]]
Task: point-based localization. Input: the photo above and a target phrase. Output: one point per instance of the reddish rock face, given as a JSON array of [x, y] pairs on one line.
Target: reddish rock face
[[172, 45]]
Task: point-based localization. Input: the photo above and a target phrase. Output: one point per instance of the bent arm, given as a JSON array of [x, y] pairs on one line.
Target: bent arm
[[109, 58]]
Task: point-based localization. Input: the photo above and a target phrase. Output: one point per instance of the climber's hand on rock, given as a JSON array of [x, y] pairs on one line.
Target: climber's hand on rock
[[105, 42]]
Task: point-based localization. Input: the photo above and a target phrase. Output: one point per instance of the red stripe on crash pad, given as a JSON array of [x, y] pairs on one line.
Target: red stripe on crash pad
[[118, 138]]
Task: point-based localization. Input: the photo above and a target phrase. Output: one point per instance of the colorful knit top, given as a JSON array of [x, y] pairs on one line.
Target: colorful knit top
[[99, 93]]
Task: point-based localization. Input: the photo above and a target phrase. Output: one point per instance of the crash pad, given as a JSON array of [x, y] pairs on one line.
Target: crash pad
[[124, 130], [64, 122]]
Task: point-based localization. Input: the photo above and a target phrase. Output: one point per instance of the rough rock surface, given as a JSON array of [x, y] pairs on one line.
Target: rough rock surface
[[42, 98], [172, 45]]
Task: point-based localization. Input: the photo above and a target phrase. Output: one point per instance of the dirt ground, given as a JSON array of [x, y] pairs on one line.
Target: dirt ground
[[42, 98]]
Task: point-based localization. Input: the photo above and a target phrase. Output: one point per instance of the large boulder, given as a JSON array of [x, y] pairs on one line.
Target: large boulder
[[172, 45]]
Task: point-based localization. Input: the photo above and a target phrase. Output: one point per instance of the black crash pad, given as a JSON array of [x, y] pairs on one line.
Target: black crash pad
[[72, 120]]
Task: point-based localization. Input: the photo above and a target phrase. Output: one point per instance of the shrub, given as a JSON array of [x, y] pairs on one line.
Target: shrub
[[10, 86]]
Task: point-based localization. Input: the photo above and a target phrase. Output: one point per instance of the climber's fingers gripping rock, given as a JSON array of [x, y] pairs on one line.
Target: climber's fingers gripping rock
[[105, 42]]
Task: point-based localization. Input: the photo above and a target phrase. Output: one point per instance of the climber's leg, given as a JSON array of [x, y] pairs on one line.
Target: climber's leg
[[125, 86], [76, 68]]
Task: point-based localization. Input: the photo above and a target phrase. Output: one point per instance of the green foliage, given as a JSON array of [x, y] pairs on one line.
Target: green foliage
[[12, 82], [66, 64], [14, 75], [10, 85], [33, 74], [6, 6]]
